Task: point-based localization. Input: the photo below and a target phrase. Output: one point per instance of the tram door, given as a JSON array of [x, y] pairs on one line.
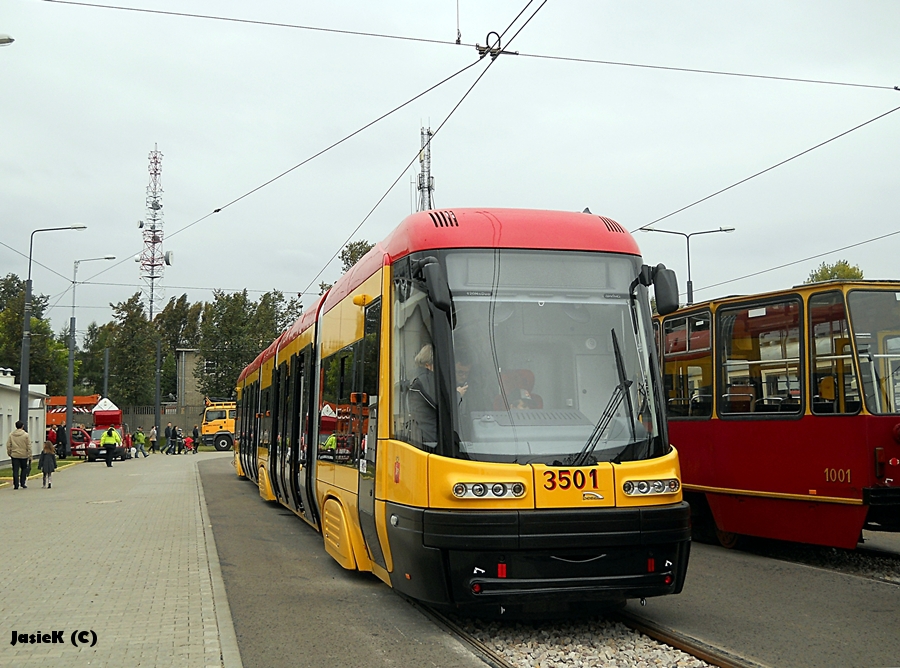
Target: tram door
[[275, 439], [364, 409], [302, 464]]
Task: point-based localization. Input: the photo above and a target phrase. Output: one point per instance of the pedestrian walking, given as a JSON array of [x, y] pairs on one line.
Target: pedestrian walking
[[170, 445], [47, 464], [62, 441], [179, 440], [18, 449], [153, 443], [110, 440], [139, 439], [196, 436]]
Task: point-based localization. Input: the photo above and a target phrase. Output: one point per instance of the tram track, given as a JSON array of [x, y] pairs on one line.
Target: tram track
[[708, 654]]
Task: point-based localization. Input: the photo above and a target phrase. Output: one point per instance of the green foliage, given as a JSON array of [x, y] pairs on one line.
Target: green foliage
[[233, 331], [48, 362], [354, 252], [840, 269], [132, 356], [90, 379], [178, 326]]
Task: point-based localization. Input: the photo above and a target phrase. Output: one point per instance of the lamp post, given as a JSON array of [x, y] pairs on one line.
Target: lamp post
[[70, 387], [26, 327], [6, 40], [687, 237]]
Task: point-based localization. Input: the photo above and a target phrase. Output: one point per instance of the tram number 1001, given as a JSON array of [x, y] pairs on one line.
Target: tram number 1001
[[837, 475]]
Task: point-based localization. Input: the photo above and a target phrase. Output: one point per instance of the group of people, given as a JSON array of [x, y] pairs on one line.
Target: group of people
[[18, 449], [59, 440], [177, 442]]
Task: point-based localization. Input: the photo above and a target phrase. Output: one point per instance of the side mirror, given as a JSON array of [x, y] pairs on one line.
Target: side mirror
[[436, 285], [665, 288]]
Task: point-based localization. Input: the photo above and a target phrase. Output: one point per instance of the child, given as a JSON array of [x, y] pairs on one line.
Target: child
[[47, 463]]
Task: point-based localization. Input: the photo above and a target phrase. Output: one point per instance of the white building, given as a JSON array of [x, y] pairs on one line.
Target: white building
[[9, 412]]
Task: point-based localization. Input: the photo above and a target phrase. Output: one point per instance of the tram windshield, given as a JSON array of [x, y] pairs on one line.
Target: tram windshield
[[875, 317], [542, 342]]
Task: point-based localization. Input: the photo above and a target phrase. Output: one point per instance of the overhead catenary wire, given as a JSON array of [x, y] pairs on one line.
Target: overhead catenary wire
[[305, 161], [794, 262], [767, 169], [433, 134], [458, 42]]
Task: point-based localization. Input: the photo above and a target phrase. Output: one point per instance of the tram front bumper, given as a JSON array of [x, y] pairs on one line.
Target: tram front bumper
[[509, 557]]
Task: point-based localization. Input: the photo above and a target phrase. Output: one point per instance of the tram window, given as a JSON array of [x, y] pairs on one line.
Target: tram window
[[760, 359], [688, 366], [413, 421], [832, 378], [337, 372]]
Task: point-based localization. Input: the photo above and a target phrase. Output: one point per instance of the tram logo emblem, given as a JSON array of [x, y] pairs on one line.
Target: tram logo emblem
[[591, 496]]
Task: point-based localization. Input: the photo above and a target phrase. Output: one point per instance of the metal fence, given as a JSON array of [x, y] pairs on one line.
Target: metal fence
[[180, 416]]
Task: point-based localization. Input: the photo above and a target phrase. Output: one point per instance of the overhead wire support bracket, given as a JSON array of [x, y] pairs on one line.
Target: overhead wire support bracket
[[494, 49]]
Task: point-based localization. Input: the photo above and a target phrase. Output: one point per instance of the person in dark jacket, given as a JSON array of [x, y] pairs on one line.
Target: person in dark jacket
[[62, 442], [47, 464], [196, 436], [169, 433]]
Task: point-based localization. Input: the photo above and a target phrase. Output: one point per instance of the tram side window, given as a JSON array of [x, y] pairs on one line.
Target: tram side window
[[687, 365], [335, 426], [414, 419], [832, 378], [760, 359]]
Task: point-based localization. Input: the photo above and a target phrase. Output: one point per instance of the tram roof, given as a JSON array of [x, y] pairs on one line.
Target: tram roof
[[532, 229], [802, 288]]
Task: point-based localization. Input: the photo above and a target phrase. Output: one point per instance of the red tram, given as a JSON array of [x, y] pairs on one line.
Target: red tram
[[473, 413], [785, 409]]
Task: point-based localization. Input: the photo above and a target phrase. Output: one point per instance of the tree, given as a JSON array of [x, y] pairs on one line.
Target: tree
[[96, 339], [132, 356], [350, 255], [178, 325], [354, 252], [48, 361], [226, 342], [840, 269]]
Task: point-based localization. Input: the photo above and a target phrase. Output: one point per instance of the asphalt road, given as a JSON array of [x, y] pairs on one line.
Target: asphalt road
[[782, 614], [293, 605]]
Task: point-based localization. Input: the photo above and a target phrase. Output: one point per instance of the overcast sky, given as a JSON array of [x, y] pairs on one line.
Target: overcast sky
[[87, 92]]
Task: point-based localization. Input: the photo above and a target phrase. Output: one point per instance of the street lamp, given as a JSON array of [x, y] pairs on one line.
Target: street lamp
[[687, 238], [70, 388], [6, 40], [26, 327]]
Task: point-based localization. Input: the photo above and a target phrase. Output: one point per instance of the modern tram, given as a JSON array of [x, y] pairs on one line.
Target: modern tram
[[474, 413], [785, 409]]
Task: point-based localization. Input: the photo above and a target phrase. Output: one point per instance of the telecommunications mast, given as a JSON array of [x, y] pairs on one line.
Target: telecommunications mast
[[152, 258], [426, 180]]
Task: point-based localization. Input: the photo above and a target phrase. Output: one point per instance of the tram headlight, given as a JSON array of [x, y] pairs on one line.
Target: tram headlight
[[498, 490], [651, 487]]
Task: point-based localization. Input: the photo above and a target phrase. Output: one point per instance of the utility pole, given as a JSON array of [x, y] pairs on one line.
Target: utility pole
[[426, 180]]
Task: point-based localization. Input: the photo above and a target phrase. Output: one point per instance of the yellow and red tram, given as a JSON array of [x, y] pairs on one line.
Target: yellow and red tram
[[474, 414], [785, 409]]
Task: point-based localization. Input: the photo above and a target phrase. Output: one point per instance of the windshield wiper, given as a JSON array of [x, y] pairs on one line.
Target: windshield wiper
[[619, 393]]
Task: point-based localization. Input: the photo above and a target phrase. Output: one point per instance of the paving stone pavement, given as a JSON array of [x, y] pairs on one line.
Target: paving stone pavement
[[126, 552]]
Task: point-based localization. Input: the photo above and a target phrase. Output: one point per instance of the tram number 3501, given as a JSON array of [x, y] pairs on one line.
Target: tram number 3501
[[564, 479], [837, 475]]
